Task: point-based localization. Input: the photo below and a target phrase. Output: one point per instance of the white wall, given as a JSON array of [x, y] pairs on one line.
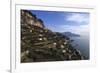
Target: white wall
[[5, 36]]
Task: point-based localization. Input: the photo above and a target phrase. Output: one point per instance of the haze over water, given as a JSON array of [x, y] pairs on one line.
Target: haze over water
[[82, 43]]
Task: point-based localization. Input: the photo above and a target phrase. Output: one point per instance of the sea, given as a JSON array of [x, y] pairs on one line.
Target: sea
[[82, 44]]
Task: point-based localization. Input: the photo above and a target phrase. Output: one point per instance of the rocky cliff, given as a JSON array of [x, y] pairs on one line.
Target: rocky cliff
[[27, 18], [39, 44]]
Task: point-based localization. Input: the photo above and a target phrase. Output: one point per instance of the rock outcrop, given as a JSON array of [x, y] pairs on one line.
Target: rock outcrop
[[27, 18], [39, 44]]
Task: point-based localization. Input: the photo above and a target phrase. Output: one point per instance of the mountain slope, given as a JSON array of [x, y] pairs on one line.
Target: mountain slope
[[70, 34], [41, 44]]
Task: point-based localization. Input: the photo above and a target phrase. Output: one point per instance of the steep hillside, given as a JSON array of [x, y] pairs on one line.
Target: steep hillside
[[39, 44]]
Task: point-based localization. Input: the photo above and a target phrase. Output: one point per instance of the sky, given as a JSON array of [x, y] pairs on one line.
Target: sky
[[76, 22]]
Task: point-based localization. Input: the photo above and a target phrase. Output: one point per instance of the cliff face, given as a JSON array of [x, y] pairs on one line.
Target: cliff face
[[27, 18], [39, 44]]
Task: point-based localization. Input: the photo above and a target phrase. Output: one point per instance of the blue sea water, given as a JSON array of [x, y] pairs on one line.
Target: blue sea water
[[82, 43]]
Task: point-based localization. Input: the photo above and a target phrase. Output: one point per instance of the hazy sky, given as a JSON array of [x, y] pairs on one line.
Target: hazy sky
[[77, 22]]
